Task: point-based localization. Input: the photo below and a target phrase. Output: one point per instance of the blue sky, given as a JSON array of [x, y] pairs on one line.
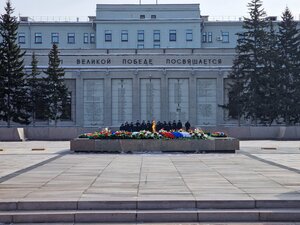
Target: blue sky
[[217, 9]]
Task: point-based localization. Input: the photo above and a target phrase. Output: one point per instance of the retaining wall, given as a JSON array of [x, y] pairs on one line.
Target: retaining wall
[[68, 133], [229, 145]]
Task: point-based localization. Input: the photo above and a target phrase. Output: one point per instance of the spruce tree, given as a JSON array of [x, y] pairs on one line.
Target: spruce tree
[[289, 86], [271, 79], [12, 77], [55, 90], [247, 74], [35, 90]]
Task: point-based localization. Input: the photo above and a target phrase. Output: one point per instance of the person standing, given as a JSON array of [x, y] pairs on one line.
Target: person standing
[[143, 125], [174, 125], [148, 126], [179, 125], [138, 126], [187, 125]]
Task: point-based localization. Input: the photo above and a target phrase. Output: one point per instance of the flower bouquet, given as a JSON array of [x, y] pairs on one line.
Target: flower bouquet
[[218, 134], [144, 134]]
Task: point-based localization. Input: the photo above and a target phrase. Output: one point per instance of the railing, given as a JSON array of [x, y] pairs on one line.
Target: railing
[[86, 19], [225, 18], [53, 19]]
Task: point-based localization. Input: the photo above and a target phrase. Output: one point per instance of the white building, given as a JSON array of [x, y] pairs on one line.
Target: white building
[[139, 62]]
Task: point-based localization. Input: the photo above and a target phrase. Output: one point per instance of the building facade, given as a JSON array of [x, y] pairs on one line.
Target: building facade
[[139, 62]]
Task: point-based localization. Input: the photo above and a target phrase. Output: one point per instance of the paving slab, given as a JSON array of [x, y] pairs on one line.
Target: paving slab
[[252, 174], [236, 223]]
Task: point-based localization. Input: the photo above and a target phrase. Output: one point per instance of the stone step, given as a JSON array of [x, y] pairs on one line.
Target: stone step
[[148, 205], [114, 216]]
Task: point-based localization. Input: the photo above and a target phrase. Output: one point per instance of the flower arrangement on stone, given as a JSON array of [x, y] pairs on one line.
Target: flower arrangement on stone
[[218, 134], [121, 135], [198, 134], [144, 134]]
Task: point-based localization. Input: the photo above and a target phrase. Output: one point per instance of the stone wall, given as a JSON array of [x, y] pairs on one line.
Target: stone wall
[[225, 145], [68, 133]]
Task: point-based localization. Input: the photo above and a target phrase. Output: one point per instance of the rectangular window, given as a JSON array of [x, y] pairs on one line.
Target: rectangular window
[[85, 38], [140, 36], [54, 38], [156, 36], [189, 35], [209, 37], [204, 37], [140, 46], [92, 38], [142, 17], [153, 16], [225, 37], [124, 35], [172, 35], [21, 38], [108, 36], [38, 38], [71, 38], [156, 45]]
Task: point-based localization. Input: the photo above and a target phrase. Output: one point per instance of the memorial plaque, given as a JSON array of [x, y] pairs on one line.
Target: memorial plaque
[[178, 99], [93, 99], [121, 101], [206, 101], [150, 99]]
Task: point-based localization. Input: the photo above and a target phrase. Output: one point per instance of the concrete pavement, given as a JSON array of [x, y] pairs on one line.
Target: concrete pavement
[[260, 173], [145, 176]]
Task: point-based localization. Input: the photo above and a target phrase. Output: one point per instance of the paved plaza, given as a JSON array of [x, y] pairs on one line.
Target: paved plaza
[[48, 171]]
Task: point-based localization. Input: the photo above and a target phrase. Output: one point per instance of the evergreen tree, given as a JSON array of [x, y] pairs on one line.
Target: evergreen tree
[[12, 76], [35, 90], [247, 74], [271, 77], [55, 90], [289, 53]]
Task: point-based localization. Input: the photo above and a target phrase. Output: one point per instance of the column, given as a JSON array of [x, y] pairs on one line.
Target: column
[[192, 100], [79, 100], [136, 97], [107, 100]]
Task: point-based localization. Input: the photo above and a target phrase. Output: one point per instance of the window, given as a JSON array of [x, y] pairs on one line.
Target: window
[[85, 38], [21, 38], [189, 35], [204, 37], [92, 38], [209, 37], [153, 16], [142, 17], [225, 37], [108, 36], [156, 36], [172, 35], [140, 36], [71, 38], [140, 46], [156, 45], [38, 38], [124, 35], [54, 38]]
